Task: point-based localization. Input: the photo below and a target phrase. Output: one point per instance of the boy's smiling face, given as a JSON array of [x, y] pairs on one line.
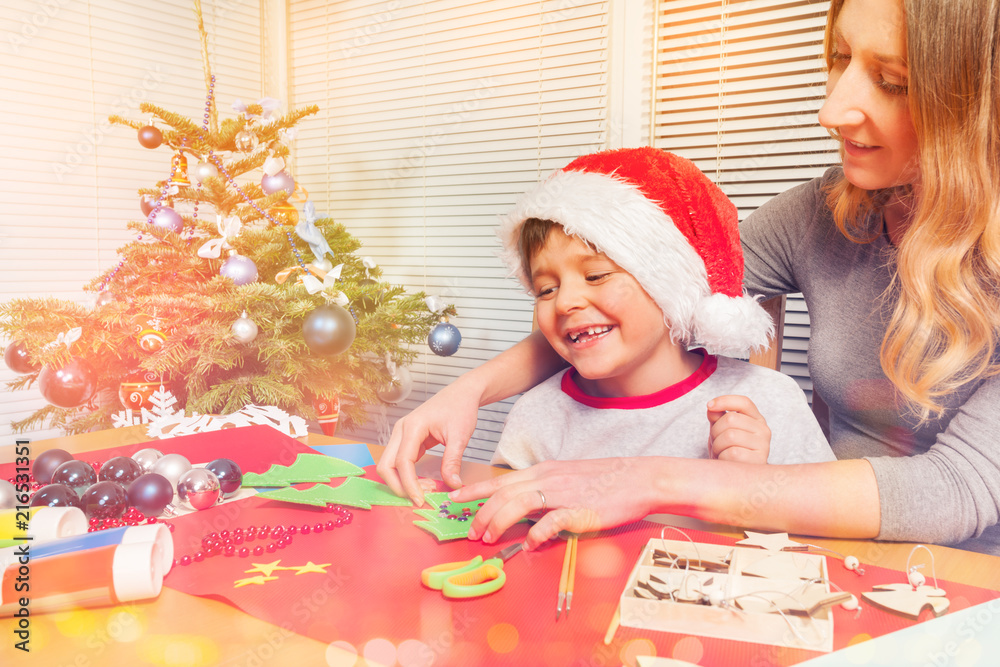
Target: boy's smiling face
[[600, 320]]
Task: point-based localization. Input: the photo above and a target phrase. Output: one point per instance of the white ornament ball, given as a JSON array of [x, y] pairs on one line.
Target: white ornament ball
[[851, 563], [205, 170], [916, 578], [244, 330]]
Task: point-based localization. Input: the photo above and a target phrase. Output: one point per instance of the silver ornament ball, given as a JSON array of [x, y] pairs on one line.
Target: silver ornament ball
[[146, 458], [245, 141], [399, 388], [329, 329], [8, 495], [171, 466], [199, 488]]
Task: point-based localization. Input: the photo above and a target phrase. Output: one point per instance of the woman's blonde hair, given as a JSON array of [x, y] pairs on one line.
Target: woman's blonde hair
[[945, 327]]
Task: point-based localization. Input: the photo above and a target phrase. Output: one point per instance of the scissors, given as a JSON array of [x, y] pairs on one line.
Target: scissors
[[470, 578]]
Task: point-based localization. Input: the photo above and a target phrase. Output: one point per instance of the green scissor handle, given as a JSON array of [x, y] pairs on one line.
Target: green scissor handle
[[483, 580], [435, 576]]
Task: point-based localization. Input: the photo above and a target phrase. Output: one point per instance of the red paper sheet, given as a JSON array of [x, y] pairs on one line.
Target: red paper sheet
[[371, 588]]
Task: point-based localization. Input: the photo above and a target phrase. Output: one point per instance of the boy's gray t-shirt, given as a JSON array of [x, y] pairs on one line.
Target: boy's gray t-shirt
[[556, 421], [938, 482]]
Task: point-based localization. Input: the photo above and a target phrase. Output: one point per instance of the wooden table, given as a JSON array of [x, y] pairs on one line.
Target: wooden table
[[164, 631]]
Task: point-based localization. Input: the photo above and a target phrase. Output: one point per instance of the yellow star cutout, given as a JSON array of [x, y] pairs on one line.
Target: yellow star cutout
[[259, 580], [309, 567], [267, 569]]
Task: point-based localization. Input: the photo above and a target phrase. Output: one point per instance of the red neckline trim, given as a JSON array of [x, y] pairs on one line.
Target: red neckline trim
[[708, 365]]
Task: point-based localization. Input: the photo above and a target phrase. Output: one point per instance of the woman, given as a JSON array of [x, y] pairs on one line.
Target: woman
[[898, 257]]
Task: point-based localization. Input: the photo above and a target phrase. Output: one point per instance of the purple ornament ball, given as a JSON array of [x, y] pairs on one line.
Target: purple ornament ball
[[229, 474], [104, 500], [46, 463], [150, 493], [55, 495], [241, 270], [280, 181], [120, 469], [77, 475], [17, 359], [150, 137], [167, 218], [70, 385]]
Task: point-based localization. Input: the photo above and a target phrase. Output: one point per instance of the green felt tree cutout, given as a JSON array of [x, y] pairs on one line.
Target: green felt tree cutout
[[448, 520], [354, 492], [306, 468]]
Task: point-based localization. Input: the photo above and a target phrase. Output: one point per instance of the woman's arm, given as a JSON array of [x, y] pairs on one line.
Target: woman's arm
[[449, 417], [834, 499]]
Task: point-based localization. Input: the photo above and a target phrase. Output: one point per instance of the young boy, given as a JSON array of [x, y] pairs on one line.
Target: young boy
[[634, 258]]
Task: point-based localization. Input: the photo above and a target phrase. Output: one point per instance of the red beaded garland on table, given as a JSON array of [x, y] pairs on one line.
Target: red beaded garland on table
[[230, 543], [224, 542]]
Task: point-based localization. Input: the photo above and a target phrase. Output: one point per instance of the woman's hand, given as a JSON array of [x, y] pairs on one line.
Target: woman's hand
[[579, 496], [739, 432], [448, 417]]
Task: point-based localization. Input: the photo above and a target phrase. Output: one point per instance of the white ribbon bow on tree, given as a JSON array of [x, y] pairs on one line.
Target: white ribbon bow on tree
[[67, 338], [229, 228], [268, 104]]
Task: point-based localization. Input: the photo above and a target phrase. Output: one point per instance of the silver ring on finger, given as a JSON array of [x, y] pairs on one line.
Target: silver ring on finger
[[544, 505]]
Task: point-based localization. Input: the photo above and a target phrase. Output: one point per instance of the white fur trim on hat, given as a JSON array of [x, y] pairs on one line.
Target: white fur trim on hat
[[616, 218]]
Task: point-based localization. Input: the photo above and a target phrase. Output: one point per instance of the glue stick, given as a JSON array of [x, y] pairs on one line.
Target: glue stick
[[156, 532], [44, 524], [98, 577]]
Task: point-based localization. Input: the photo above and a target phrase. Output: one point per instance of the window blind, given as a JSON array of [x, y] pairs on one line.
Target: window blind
[[738, 87], [70, 176], [434, 117]]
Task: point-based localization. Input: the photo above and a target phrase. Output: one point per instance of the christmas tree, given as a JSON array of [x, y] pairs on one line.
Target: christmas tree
[[229, 294]]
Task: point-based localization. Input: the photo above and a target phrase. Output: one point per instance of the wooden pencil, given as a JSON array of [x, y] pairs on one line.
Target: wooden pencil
[[613, 626], [574, 543], [563, 578]]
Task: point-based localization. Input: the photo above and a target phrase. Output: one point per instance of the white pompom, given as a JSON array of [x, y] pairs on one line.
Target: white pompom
[[730, 326]]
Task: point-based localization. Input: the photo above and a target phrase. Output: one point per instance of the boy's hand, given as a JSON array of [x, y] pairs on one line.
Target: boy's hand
[[739, 432]]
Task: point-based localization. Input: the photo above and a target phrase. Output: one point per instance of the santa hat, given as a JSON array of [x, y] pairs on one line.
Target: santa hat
[[658, 217]]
